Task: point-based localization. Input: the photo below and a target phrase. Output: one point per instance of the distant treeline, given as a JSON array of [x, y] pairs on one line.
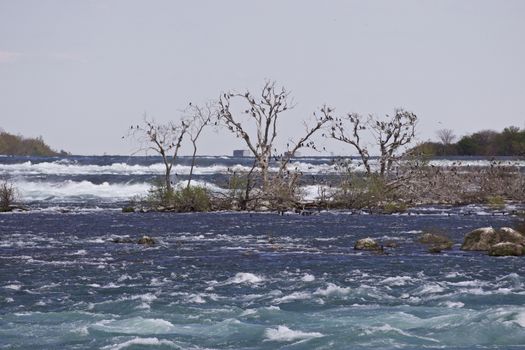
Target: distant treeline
[[17, 145], [509, 142]]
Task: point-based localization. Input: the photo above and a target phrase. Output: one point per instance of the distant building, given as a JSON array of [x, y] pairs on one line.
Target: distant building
[[241, 153]]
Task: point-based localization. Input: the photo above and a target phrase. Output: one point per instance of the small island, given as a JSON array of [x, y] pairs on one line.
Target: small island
[[17, 145]]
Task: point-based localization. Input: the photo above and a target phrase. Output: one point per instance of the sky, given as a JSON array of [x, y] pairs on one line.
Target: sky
[[79, 73]]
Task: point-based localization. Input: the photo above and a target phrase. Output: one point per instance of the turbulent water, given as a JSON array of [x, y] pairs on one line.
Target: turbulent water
[[237, 280], [112, 180]]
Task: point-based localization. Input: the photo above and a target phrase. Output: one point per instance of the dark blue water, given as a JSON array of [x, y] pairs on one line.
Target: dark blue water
[[252, 281]]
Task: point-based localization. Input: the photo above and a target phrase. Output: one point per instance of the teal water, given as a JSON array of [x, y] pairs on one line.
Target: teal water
[[253, 281]]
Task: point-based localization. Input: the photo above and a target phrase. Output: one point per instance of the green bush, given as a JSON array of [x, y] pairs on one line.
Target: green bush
[[192, 198], [394, 207], [186, 199], [159, 195], [496, 202], [367, 191]]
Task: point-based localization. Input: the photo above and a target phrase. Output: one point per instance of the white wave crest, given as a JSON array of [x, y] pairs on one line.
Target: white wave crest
[[285, 334], [141, 341], [308, 278], [135, 325], [332, 290], [520, 319], [73, 190], [245, 277], [397, 281], [71, 168], [293, 297]]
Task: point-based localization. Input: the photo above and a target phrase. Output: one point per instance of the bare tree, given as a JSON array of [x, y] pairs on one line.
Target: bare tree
[[446, 136], [356, 124], [305, 141], [198, 117], [263, 112], [164, 139], [390, 135]]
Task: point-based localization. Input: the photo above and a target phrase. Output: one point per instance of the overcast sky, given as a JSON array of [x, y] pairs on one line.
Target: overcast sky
[[79, 73]]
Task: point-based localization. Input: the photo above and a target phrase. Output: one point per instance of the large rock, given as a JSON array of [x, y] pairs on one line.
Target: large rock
[[481, 239], [367, 244], [506, 249], [484, 238], [509, 235]]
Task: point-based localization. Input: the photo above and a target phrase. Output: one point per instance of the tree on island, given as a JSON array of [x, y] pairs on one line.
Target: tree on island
[[390, 134], [16, 145], [254, 119], [163, 139], [198, 117]]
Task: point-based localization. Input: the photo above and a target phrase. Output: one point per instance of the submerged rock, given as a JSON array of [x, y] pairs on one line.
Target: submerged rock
[[436, 239], [367, 244], [506, 249], [147, 240], [435, 249], [122, 240], [480, 239], [392, 244]]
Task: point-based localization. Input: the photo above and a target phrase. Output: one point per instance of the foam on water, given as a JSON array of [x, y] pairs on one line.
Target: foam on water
[[246, 277], [332, 290], [308, 278], [73, 191], [70, 190], [136, 325], [520, 319], [141, 342], [285, 334], [293, 297]]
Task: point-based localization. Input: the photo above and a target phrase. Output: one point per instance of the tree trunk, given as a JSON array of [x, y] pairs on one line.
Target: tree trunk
[[192, 164], [167, 178]]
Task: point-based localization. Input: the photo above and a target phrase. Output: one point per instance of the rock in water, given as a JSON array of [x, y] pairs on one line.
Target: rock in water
[[484, 238], [435, 249], [366, 244], [147, 240], [480, 239], [439, 242], [506, 249], [122, 240], [509, 235]]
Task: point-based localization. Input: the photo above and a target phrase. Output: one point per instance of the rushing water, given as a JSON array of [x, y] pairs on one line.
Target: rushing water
[[238, 280], [104, 181]]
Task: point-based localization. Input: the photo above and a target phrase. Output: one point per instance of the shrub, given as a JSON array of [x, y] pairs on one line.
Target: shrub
[[496, 202], [367, 191], [159, 195], [7, 196], [394, 207], [186, 199], [191, 198]]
